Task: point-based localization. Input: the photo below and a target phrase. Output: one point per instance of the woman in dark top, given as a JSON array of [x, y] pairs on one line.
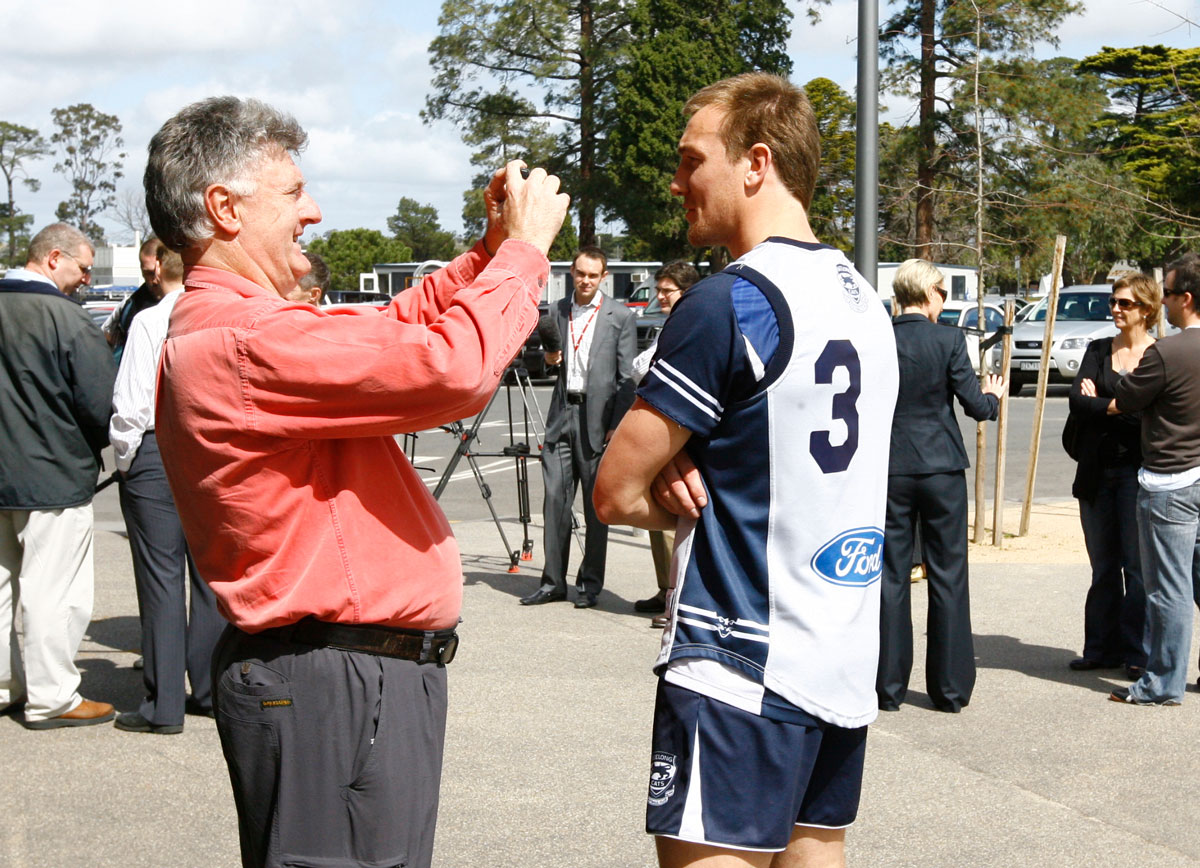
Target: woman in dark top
[[927, 486], [1106, 485]]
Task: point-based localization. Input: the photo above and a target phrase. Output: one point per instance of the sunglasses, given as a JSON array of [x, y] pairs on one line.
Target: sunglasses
[[1123, 303], [1167, 292], [941, 291]]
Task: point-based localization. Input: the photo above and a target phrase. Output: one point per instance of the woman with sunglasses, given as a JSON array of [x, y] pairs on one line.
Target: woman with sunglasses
[[1114, 613], [927, 484]]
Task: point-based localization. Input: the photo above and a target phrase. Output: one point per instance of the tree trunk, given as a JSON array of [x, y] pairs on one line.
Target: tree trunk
[[926, 139], [587, 128], [12, 227]]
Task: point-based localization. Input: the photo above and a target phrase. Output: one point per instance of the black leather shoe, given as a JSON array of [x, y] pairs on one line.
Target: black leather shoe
[[131, 721], [1083, 664], [543, 595], [585, 601], [653, 605], [1133, 672]]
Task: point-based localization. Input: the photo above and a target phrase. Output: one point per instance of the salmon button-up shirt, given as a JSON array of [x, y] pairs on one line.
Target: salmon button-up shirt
[[276, 422]]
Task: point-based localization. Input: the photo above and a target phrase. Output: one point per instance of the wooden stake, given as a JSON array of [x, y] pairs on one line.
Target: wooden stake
[[1060, 249], [1010, 312]]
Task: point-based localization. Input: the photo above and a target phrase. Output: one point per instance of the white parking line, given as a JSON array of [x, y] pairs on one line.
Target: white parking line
[[484, 469]]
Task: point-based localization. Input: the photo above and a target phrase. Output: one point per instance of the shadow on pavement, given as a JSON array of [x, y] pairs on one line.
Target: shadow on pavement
[[1040, 661]]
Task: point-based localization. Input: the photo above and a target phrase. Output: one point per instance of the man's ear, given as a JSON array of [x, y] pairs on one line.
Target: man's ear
[[221, 203], [760, 159]]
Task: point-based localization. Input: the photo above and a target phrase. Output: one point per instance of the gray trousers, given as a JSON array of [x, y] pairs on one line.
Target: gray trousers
[[335, 757], [566, 463], [177, 639]]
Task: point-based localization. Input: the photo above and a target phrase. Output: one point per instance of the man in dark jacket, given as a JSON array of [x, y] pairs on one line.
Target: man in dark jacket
[[56, 376], [116, 327]]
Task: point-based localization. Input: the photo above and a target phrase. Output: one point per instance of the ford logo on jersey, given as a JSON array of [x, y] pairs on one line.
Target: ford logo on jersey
[[853, 557]]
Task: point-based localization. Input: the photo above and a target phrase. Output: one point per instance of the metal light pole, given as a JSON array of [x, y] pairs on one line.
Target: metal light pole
[[866, 163]]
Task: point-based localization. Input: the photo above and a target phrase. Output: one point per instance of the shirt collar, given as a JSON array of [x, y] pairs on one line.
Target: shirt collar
[[207, 277], [26, 274], [595, 302]]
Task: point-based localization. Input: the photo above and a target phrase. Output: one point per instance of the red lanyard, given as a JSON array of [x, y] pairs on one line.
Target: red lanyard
[[575, 342]]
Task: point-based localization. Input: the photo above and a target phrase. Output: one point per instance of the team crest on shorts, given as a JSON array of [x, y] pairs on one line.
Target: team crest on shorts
[[662, 778], [851, 291]]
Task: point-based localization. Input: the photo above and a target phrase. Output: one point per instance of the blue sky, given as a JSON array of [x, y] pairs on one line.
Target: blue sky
[[355, 74]]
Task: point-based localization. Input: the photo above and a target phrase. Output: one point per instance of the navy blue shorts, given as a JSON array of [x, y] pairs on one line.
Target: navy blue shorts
[[725, 777]]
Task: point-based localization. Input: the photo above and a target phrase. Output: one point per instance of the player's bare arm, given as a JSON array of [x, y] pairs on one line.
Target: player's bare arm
[[645, 443]]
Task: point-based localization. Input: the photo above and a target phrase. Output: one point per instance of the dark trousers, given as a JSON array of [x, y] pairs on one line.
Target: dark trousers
[[566, 463], [1114, 614], [177, 641], [335, 757], [938, 503]]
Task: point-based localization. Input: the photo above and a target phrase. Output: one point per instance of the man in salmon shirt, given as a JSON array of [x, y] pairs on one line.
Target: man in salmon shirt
[[337, 570]]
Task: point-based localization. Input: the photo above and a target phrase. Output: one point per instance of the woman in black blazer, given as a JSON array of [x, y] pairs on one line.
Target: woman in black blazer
[[927, 484], [1110, 452]]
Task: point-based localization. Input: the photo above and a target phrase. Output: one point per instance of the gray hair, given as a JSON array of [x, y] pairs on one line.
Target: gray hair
[[219, 140], [57, 236], [317, 276], [914, 278]]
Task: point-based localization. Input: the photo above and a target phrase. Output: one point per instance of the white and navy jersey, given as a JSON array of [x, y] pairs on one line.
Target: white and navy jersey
[[783, 367]]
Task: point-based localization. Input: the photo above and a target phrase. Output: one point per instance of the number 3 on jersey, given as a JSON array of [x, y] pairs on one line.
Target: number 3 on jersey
[[830, 458]]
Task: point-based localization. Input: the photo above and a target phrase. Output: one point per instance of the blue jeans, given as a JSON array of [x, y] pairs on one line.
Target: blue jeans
[[1169, 531]]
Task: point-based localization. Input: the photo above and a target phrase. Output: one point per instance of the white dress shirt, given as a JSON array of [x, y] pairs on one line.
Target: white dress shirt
[[133, 394], [581, 328]]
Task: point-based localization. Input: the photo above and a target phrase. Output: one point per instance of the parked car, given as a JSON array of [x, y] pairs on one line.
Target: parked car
[[650, 323], [640, 297], [1083, 315], [965, 315], [100, 311]]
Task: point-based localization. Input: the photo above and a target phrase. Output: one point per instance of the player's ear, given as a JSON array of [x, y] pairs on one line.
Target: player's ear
[[758, 163]]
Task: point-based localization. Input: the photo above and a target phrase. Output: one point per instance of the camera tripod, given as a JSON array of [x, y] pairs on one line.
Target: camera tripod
[[532, 422]]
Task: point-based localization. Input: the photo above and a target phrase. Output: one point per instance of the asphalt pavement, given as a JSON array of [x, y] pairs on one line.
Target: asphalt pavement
[[547, 749]]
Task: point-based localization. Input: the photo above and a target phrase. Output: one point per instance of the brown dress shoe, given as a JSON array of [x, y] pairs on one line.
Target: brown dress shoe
[[87, 713]]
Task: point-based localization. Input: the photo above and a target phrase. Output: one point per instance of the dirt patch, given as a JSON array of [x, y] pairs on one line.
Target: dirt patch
[[1054, 536]]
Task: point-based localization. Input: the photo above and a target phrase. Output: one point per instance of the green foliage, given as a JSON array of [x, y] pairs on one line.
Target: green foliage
[[926, 42], [89, 144], [678, 47], [832, 213], [564, 51], [18, 146], [416, 226], [1152, 129], [349, 252]]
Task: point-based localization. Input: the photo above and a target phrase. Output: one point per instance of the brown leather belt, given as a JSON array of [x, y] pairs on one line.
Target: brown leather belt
[[420, 646]]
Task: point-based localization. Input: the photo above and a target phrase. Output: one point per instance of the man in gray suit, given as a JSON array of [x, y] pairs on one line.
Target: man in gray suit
[[591, 395]]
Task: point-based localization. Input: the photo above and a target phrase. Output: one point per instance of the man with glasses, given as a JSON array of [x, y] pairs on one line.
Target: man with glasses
[[56, 377], [1165, 386]]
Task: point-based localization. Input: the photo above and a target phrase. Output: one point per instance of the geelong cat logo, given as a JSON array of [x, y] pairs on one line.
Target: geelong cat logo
[[854, 557], [662, 778]]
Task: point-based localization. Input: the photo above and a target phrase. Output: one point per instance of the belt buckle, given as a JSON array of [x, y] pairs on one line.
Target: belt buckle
[[446, 651]]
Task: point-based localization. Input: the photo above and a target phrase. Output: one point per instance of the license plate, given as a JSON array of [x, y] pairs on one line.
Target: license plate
[[1031, 366]]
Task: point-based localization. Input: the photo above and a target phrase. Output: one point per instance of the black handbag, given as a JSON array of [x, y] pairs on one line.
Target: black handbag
[[1070, 436]]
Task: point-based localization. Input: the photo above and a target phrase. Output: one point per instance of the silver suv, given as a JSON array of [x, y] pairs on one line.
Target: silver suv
[[1083, 316]]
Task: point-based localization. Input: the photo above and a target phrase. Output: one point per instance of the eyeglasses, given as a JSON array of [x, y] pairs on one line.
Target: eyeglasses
[[1167, 292], [86, 269], [941, 291], [1123, 303]]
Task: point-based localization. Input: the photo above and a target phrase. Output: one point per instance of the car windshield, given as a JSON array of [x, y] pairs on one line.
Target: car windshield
[[652, 307], [948, 317], [1075, 307]]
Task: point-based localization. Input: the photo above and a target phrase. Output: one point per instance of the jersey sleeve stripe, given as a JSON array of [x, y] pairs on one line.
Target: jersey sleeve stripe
[[658, 374], [683, 379]]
